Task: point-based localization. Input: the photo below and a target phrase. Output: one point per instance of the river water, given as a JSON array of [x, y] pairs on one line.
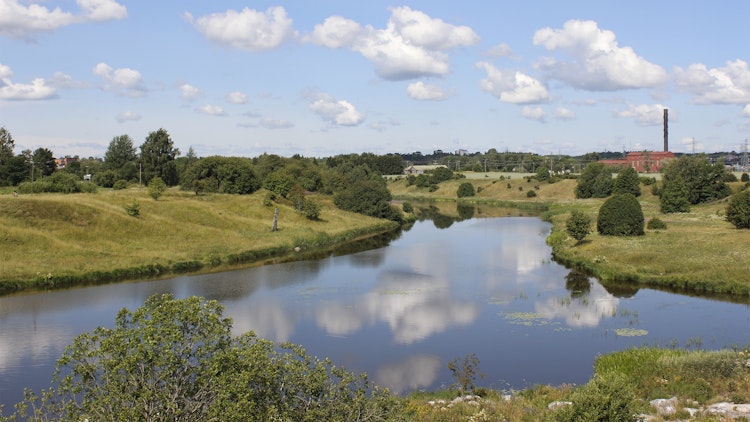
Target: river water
[[444, 289]]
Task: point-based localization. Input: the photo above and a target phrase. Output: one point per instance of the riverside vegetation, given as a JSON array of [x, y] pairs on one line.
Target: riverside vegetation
[[51, 240]]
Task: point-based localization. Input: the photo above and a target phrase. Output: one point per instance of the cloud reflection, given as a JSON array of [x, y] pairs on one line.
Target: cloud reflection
[[582, 311], [410, 374]]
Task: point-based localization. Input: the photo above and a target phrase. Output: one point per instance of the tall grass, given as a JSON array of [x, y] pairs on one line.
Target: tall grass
[[53, 240]]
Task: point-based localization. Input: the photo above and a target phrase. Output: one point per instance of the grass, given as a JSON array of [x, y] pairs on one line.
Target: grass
[[51, 239]]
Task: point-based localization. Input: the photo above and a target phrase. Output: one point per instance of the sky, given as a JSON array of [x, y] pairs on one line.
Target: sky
[[327, 77]]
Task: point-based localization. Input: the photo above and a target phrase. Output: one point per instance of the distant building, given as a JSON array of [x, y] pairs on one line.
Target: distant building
[[64, 161], [461, 152], [643, 161]]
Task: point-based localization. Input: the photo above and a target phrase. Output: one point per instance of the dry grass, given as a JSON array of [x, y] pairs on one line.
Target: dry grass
[[85, 233]]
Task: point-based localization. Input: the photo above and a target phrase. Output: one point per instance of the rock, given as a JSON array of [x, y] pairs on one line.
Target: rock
[[665, 407], [729, 409], [558, 404]]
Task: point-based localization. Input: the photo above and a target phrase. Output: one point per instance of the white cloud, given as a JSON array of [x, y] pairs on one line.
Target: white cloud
[[500, 50], [746, 111], [38, 89], [128, 116], [412, 45], [562, 113], [247, 30], [211, 110], [724, 85], [512, 86], [275, 123], [189, 92], [421, 91], [20, 21], [644, 114], [122, 81], [335, 112], [62, 81], [534, 113], [599, 63], [236, 97]]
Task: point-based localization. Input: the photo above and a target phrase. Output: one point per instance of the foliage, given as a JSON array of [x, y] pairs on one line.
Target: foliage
[[738, 210], [120, 184], [156, 187], [605, 398], [465, 189], [531, 194], [704, 181], [57, 183], [595, 182], [542, 173], [279, 181], [578, 225], [177, 360], [674, 197], [133, 209], [627, 181], [620, 215], [407, 207], [465, 372], [440, 174], [745, 178], [6, 154], [43, 162], [233, 175], [369, 197], [656, 224], [105, 179], [121, 157], [297, 196], [311, 210], [157, 157]]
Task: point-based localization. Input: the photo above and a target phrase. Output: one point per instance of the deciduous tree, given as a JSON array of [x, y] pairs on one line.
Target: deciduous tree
[[157, 157]]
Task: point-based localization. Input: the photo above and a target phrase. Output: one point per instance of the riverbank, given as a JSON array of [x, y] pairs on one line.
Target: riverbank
[[699, 252], [54, 240]]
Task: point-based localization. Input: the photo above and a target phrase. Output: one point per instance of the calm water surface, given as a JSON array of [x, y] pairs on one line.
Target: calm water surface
[[403, 311]]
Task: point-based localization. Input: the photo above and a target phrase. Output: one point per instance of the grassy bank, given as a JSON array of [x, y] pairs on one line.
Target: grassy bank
[[61, 240], [699, 251]]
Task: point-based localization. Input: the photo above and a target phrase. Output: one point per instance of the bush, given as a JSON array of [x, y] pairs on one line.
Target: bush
[[620, 215], [579, 225], [465, 189], [605, 398], [595, 182], [134, 209], [407, 207], [738, 210], [120, 184], [311, 209], [156, 187], [106, 178], [656, 224], [744, 178], [674, 197], [531, 194], [627, 181]]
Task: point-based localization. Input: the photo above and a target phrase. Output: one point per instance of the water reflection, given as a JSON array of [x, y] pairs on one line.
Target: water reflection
[[412, 373], [580, 310]]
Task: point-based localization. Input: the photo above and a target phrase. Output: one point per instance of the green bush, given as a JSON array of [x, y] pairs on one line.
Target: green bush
[[465, 189], [595, 182], [531, 194], [106, 178], [156, 187], [656, 224], [627, 181], [407, 207], [605, 398], [120, 184], [311, 210], [620, 215], [578, 225], [674, 197], [133, 209], [738, 210], [744, 178]]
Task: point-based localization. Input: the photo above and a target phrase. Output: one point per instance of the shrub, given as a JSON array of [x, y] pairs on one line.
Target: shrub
[[744, 178], [579, 225], [531, 194], [433, 188], [620, 215], [627, 181], [133, 209], [311, 209], [738, 210], [465, 189], [674, 197], [605, 398], [156, 187], [106, 178], [120, 184], [407, 207], [595, 182], [656, 224]]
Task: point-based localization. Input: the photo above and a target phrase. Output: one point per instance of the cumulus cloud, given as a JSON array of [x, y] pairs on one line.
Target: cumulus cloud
[[562, 113], [124, 81], [412, 45], [512, 86], [724, 85], [18, 20], [236, 97], [643, 114], [211, 110], [746, 111], [189, 92], [62, 81], [500, 50], [247, 30], [421, 91], [37, 89], [598, 62], [269, 123], [334, 112], [534, 113], [128, 116]]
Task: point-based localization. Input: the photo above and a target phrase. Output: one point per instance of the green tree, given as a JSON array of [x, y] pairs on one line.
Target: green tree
[[369, 197], [156, 187], [121, 157], [620, 215], [674, 196], [177, 360], [578, 225], [627, 181], [595, 182], [6, 154], [44, 162], [542, 174], [704, 181], [465, 189], [738, 210], [157, 158]]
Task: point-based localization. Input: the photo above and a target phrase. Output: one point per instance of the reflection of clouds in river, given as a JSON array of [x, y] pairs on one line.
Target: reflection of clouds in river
[[583, 311], [414, 305], [411, 373], [16, 344], [268, 319]]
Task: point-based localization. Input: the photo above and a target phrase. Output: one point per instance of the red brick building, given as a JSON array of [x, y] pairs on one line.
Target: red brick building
[[643, 161]]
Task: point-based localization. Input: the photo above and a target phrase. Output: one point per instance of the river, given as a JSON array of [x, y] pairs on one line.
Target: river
[[444, 289]]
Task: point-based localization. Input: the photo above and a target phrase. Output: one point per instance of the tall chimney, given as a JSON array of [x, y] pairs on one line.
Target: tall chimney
[[666, 130]]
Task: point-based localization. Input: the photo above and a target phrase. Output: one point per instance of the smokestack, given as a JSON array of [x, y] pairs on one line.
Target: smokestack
[[666, 130]]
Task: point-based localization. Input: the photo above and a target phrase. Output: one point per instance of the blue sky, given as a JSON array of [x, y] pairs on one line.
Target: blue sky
[[342, 76]]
